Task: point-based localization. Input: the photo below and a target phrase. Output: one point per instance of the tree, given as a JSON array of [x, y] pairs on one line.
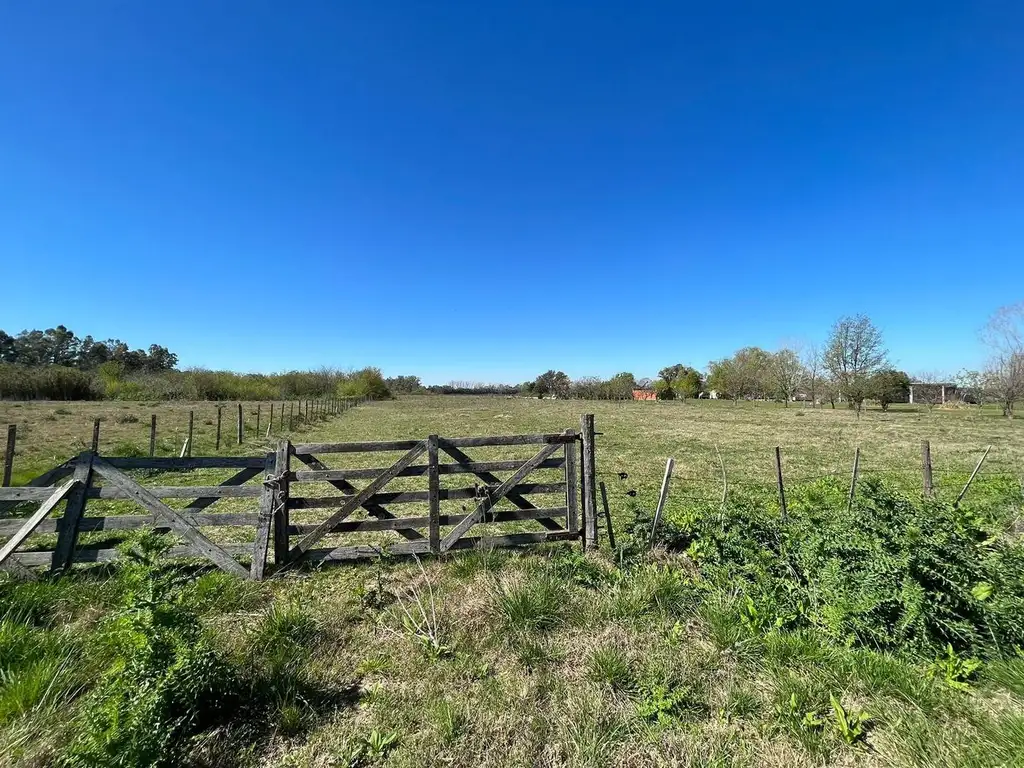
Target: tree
[[663, 390], [744, 375], [812, 371], [1004, 374], [889, 386], [786, 372], [552, 383], [404, 385], [853, 353], [687, 383], [621, 386]]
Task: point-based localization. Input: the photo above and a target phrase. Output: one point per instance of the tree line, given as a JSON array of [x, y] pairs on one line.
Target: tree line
[[60, 346]]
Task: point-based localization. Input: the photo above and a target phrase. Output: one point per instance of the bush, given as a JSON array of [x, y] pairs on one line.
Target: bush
[[908, 575]]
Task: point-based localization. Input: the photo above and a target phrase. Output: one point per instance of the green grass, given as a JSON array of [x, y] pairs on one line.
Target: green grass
[[546, 656]]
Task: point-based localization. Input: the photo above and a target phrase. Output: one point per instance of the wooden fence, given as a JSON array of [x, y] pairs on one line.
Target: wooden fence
[[309, 510]]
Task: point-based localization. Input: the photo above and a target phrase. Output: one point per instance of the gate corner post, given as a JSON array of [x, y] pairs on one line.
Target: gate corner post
[[282, 469], [589, 470]]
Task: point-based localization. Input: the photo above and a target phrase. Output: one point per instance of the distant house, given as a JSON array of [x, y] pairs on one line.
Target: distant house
[[933, 392], [644, 394]]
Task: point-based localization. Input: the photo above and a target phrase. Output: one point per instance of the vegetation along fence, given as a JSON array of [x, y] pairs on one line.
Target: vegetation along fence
[[309, 509]]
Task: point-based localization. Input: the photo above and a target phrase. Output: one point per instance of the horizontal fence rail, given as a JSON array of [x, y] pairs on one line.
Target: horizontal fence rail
[[267, 484]]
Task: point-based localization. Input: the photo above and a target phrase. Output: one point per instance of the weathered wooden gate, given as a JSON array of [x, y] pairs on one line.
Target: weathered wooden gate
[[427, 498]]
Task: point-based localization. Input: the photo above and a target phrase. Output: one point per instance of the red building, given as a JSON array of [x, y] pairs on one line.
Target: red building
[[644, 394]]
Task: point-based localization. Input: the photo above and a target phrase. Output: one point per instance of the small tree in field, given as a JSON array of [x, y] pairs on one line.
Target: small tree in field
[[687, 383], [811, 359], [786, 372], [853, 353], [1004, 375], [889, 386]]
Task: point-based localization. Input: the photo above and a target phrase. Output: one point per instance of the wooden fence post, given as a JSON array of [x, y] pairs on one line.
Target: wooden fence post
[[258, 419], [572, 487], [152, 435], [782, 487], [589, 482], [291, 415], [433, 495], [241, 426], [270, 427], [662, 497], [282, 466], [926, 461], [853, 479], [12, 438], [96, 436], [188, 439], [219, 409]]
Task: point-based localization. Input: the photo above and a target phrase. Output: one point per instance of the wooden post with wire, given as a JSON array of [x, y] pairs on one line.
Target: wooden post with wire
[[219, 414], [589, 481], [782, 486], [96, 436], [188, 439], [152, 435], [12, 438], [662, 498], [926, 462], [853, 479]]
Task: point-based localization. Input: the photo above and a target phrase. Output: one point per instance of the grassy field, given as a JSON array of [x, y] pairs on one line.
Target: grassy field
[[719, 648]]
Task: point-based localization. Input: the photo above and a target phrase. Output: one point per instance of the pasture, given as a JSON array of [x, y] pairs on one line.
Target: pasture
[[720, 648]]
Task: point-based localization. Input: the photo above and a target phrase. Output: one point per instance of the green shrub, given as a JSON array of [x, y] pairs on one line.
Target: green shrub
[[909, 575]]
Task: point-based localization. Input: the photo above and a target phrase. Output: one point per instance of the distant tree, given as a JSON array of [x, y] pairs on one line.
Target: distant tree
[[554, 383], [786, 373], [811, 359], [621, 386], [404, 385], [159, 359], [853, 353], [687, 383], [970, 386], [8, 348], [745, 375], [586, 388], [663, 390], [670, 373], [1004, 374], [889, 386]]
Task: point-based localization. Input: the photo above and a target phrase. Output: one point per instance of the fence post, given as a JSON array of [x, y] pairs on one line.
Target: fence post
[[258, 408], [589, 482], [12, 438], [853, 479], [433, 495], [926, 461], [188, 439], [241, 426], [152, 435], [291, 415], [782, 487], [662, 498], [96, 436], [970, 480], [67, 527], [220, 408], [270, 427], [282, 466], [572, 486]]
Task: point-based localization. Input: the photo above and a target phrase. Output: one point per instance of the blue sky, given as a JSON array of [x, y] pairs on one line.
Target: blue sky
[[482, 191]]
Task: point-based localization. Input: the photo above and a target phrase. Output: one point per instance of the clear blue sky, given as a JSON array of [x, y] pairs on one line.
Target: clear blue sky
[[484, 190]]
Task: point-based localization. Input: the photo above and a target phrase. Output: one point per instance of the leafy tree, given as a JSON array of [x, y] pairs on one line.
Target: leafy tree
[[687, 383], [404, 385], [889, 386], [670, 373], [853, 353], [786, 372], [554, 383], [663, 390], [744, 375], [621, 386]]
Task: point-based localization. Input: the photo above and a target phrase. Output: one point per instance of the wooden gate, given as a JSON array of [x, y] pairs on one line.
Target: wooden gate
[[427, 480], [400, 497]]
